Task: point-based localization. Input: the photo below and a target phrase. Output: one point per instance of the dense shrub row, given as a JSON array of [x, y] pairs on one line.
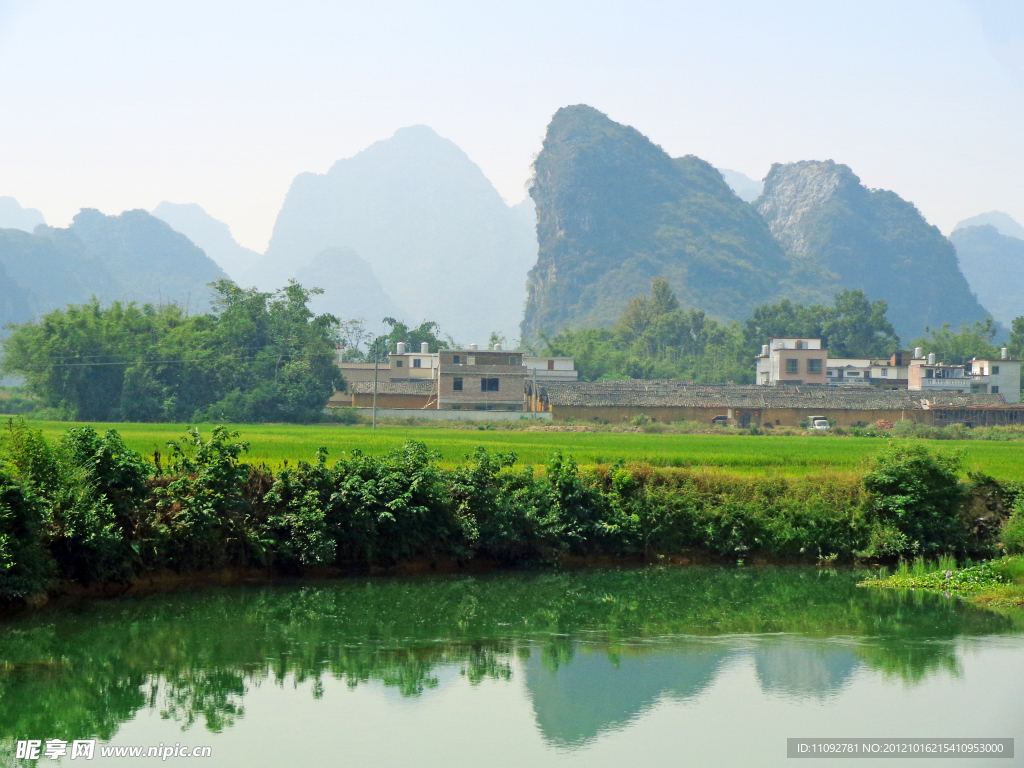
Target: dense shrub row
[[86, 508]]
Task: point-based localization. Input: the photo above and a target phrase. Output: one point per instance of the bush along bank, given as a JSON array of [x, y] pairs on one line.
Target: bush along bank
[[86, 509]]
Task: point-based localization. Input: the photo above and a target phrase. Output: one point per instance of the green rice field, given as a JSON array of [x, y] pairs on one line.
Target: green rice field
[[744, 454]]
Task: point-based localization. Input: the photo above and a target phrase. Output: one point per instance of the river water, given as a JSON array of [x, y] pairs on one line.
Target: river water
[[685, 666]]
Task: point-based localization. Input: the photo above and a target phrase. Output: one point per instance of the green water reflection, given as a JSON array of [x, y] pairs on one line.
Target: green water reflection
[[595, 647]]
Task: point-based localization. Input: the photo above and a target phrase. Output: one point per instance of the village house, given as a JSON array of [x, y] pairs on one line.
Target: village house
[[468, 379], [792, 361]]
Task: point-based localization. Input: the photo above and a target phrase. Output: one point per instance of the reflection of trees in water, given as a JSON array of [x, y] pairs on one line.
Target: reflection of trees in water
[[194, 656]]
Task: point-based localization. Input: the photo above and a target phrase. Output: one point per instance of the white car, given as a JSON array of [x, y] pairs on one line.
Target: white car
[[819, 422]]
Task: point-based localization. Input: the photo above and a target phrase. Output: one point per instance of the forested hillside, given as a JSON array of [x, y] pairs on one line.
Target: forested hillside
[[868, 240], [614, 211]]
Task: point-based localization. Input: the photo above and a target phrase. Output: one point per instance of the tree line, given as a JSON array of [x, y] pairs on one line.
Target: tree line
[[656, 338]]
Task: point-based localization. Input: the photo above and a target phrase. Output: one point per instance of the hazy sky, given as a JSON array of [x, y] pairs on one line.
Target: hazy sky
[[118, 105]]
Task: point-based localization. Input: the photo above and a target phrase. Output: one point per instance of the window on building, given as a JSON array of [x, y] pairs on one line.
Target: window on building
[[470, 360], [929, 374], [488, 385], [513, 361], [885, 371], [995, 370], [551, 365], [995, 390], [792, 365], [417, 363], [398, 363], [456, 360], [457, 383], [814, 365], [801, 345]]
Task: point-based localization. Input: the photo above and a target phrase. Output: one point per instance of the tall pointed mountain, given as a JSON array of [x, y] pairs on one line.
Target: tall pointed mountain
[[443, 243], [131, 257], [210, 234], [993, 264], [871, 240], [614, 211]]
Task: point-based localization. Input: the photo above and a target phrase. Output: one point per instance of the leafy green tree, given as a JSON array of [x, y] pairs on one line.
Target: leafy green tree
[[919, 494], [1017, 338], [853, 327], [972, 341], [257, 357], [426, 331]]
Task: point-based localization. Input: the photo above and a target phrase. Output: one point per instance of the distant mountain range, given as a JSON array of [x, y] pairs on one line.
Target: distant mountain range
[[213, 236], [131, 257], [411, 228], [13, 216], [993, 263], [1003, 222], [427, 222], [745, 187]]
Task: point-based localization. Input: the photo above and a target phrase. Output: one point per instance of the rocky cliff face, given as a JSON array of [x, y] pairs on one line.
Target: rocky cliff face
[[871, 240], [614, 211], [131, 257], [993, 264]]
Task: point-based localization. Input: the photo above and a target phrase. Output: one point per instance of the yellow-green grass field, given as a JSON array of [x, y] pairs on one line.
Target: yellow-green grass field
[[745, 454]]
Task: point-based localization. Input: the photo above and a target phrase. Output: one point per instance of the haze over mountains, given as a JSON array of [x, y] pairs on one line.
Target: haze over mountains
[[131, 257], [411, 228], [213, 236], [439, 238], [13, 216], [991, 256]]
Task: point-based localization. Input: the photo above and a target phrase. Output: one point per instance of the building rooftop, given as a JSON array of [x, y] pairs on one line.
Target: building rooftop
[[406, 387], [662, 392]]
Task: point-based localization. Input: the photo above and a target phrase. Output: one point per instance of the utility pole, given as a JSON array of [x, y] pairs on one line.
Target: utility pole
[[375, 364], [535, 393]]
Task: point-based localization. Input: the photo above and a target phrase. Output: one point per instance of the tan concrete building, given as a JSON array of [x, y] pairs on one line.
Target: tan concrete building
[[485, 380], [792, 361]]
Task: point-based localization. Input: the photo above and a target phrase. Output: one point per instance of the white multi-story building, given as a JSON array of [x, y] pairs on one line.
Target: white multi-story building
[[997, 377]]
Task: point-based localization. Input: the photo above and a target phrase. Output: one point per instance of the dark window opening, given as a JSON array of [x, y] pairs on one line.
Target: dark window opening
[[457, 384], [551, 365], [488, 385], [417, 363], [791, 365], [398, 363], [456, 360]]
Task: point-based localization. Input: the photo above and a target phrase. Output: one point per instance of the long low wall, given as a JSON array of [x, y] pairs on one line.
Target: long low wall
[[784, 417], [446, 415]]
